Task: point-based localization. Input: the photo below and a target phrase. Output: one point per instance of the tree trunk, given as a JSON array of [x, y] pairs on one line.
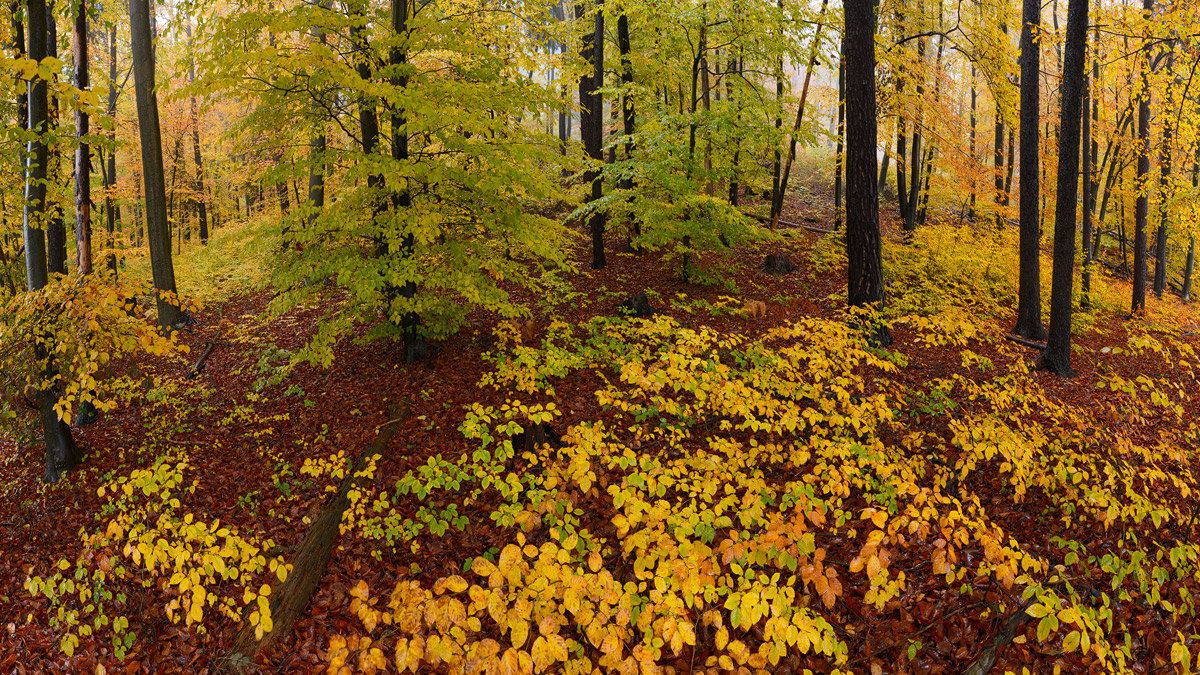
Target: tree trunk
[[201, 200], [316, 149], [414, 347], [312, 555], [169, 312], [1142, 213], [629, 117], [887, 149], [591, 124], [863, 242], [61, 452], [1164, 194], [1008, 178], [998, 159], [1029, 291], [775, 184], [839, 153], [931, 152], [56, 233], [111, 209], [1087, 165], [974, 151], [83, 155], [777, 207], [18, 32], [1057, 357], [1189, 267], [910, 213]]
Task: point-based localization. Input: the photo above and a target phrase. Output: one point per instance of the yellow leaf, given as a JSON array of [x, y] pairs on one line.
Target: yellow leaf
[[519, 628], [542, 657], [722, 638]]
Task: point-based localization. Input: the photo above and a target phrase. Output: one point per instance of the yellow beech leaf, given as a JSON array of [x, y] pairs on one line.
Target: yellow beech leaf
[[482, 566], [519, 628], [542, 657], [509, 664], [409, 653]]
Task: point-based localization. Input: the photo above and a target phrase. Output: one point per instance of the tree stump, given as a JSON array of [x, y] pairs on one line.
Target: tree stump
[[637, 306], [778, 264]]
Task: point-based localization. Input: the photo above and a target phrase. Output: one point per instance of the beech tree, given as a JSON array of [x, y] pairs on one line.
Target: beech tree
[[591, 121], [1057, 357], [1142, 208], [1029, 294], [61, 453], [83, 154], [170, 313], [863, 246]]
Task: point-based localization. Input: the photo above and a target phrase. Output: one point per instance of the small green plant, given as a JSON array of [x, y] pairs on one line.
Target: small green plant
[[249, 502]]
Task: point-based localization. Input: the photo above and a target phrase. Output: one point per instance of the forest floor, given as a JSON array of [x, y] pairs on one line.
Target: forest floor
[[245, 447]]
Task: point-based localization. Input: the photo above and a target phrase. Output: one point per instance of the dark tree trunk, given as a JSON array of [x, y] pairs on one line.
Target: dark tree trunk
[[1190, 265], [56, 232], [281, 188], [777, 207], [60, 446], [839, 153], [974, 151], [629, 116], [1057, 357], [1029, 290], [1087, 165], [201, 199], [1188, 268], [910, 213], [1164, 162], [1142, 212], [368, 120], [998, 160], [289, 602], [401, 197], [887, 149], [775, 185], [18, 31], [316, 150], [36, 272], [1008, 177], [83, 155], [931, 152], [591, 125], [111, 210], [863, 243], [169, 312]]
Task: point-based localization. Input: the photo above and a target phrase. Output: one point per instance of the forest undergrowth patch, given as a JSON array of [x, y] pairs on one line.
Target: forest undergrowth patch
[[717, 491]]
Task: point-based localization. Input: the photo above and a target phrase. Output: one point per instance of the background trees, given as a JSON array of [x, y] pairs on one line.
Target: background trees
[[426, 147]]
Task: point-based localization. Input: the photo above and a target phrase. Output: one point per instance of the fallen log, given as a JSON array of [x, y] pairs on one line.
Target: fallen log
[[1009, 631], [1028, 343], [787, 223], [203, 360], [310, 558]]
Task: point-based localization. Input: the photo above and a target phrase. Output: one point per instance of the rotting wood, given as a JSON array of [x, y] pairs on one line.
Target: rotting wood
[[203, 360], [1033, 344], [787, 223], [310, 558], [1009, 631]]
